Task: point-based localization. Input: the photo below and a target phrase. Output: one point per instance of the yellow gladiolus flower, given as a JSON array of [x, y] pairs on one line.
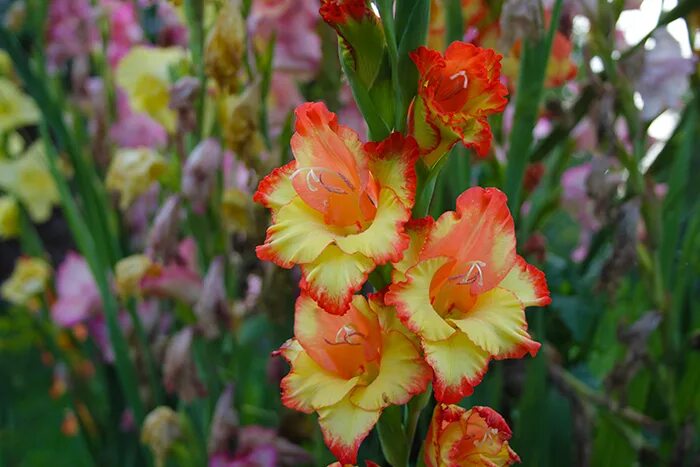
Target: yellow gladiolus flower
[[9, 217], [28, 179], [28, 280], [16, 108], [132, 171], [144, 75], [129, 272]]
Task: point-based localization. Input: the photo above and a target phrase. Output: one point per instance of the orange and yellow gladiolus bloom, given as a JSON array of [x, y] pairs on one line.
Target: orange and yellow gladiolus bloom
[[463, 290], [456, 94], [348, 368], [475, 437], [339, 208]]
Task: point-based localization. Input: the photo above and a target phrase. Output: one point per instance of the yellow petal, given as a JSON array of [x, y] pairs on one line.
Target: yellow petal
[[402, 374], [459, 365], [527, 283], [297, 235], [417, 231], [496, 323], [384, 240], [334, 276], [308, 386], [344, 427], [276, 189], [413, 305]]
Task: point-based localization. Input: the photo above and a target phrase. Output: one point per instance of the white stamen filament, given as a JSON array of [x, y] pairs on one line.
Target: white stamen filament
[[313, 179], [462, 74], [473, 274], [344, 334]]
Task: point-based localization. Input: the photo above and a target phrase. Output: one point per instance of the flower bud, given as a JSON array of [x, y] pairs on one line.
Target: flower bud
[[200, 172], [212, 301], [182, 99], [226, 45], [224, 425], [239, 121], [131, 173], [161, 430], [163, 237], [457, 436], [179, 370], [9, 217], [520, 19]]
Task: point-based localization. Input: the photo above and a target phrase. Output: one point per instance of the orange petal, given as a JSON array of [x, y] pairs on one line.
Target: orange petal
[[481, 232]]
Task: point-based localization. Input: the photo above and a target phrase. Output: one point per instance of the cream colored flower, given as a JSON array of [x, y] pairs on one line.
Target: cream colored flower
[[129, 272], [16, 108], [132, 171], [28, 280], [28, 179], [144, 73]]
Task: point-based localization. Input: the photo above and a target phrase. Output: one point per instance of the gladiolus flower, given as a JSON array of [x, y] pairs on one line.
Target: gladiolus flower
[[239, 115], [144, 75], [339, 208], [16, 108], [161, 430], [129, 271], [29, 180], [456, 94], [476, 437], [9, 217], [463, 290], [78, 296], [132, 172], [349, 368], [28, 280]]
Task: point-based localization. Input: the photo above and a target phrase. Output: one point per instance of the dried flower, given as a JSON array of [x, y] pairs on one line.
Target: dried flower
[[520, 19], [239, 121], [225, 424], [161, 430], [223, 56]]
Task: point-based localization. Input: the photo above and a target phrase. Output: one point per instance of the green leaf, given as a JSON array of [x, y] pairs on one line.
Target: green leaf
[[391, 436], [533, 67], [412, 20]]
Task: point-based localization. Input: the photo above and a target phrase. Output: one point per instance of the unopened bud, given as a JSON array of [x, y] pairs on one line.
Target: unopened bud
[[212, 301], [199, 174], [226, 45], [239, 121], [179, 370], [163, 238], [183, 95], [520, 19]]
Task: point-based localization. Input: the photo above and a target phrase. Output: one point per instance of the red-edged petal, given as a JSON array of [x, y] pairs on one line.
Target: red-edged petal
[[276, 190], [527, 283]]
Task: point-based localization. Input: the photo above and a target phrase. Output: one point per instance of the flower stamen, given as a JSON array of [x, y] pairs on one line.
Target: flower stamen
[[344, 334], [473, 274], [462, 74]]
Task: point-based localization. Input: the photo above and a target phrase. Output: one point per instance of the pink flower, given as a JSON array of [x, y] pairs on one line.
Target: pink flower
[[78, 297], [170, 29], [585, 135], [124, 29], [138, 130], [261, 447], [284, 97], [576, 201], [298, 47], [72, 31], [664, 79]]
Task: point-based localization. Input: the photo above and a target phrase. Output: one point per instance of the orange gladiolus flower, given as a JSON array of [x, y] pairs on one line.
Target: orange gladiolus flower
[[456, 94], [463, 290], [339, 208], [476, 437], [349, 368]]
